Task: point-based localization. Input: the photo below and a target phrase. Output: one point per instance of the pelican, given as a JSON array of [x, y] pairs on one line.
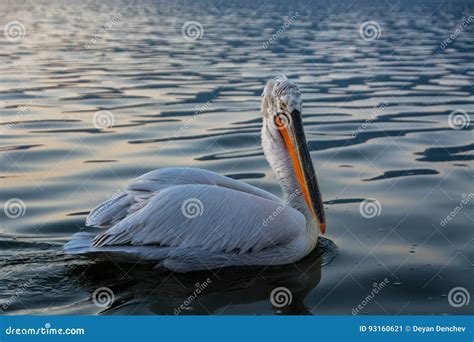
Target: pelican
[[190, 219]]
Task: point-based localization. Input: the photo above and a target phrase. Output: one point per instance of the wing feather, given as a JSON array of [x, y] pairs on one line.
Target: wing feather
[[141, 189]]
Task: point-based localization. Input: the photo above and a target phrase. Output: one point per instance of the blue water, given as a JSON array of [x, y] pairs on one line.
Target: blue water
[[376, 113]]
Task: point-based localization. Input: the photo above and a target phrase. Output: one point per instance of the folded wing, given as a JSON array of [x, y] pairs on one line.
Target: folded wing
[[208, 217], [142, 189]]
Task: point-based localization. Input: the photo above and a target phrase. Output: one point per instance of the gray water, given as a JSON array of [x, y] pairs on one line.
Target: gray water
[[376, 113]]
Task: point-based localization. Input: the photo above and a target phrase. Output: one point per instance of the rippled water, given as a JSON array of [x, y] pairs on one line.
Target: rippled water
[[375, 111]]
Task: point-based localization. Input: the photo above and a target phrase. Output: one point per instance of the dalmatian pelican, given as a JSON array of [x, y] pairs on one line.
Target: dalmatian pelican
[[190, 219]]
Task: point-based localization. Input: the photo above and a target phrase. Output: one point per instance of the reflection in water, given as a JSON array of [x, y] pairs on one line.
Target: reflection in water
[[376, 114], [144, 290]]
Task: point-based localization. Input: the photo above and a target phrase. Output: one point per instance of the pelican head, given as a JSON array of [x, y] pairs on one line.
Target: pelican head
[[285, 145]]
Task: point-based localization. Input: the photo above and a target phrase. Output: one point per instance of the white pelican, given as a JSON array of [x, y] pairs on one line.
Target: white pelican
[[189, 219]]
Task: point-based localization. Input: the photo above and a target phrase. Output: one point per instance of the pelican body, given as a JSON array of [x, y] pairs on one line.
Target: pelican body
[[190, 219]]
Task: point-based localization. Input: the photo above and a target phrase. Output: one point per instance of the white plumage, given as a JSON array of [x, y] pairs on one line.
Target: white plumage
[[189, 219]]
